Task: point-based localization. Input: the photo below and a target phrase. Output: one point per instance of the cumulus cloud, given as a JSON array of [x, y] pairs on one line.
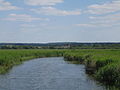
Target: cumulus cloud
[[109, 15], [7, 6], [55, 11], [104, 8], [42, 2], [22, 17]]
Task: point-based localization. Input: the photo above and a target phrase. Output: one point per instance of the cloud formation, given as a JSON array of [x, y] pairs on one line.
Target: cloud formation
[[22, 17], [7, 6], [105, 8], [107, 18], [55, 11], [42, 2], [102, 21], [106, 15]]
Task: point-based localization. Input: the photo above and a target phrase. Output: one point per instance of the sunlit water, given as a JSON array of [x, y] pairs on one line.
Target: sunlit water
[[48, 74]]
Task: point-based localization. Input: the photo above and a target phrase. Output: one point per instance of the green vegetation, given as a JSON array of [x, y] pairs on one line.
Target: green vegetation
[[9, 58], [103, 64]]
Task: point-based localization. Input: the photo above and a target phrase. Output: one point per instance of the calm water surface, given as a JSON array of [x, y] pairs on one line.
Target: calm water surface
[[48, 74]]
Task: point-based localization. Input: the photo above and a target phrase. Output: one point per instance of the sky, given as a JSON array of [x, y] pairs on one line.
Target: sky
[[42, 21]]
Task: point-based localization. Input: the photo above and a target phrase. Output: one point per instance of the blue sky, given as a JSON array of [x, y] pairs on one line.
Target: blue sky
[[40, 21]]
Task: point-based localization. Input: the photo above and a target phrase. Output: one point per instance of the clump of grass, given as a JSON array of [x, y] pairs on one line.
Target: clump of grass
[[110, 74]]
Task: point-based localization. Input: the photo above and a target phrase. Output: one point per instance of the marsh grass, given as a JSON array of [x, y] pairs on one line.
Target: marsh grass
[[104, 65]]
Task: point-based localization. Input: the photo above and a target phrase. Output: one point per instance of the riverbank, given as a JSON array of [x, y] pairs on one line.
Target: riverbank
[[103, 64], [9, 58]]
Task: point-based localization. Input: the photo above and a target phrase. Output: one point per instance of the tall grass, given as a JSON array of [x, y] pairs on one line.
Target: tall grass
[[103, 64]]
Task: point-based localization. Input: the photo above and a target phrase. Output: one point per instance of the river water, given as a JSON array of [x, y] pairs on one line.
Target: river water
[[48, 74]]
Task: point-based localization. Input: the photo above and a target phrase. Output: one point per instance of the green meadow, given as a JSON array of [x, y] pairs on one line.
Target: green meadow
[[102, 64]]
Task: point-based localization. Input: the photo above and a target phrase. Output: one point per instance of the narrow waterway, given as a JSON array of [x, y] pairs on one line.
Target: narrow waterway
[[48, 74]]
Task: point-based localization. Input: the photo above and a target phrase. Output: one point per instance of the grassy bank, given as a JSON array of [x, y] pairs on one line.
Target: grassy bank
[[104, 65], [9, 58]]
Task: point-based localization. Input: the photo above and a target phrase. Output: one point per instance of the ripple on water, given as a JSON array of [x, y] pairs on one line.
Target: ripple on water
[[48, 74]]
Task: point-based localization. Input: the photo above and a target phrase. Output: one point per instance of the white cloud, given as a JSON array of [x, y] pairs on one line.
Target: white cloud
[[104, 8], [55, 11], [109, 15], [85, 25], [102, 21], [22, 17], [108, 18], [42, 2], [28, 25], [7, 6], [32, 25], [93, 24]]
